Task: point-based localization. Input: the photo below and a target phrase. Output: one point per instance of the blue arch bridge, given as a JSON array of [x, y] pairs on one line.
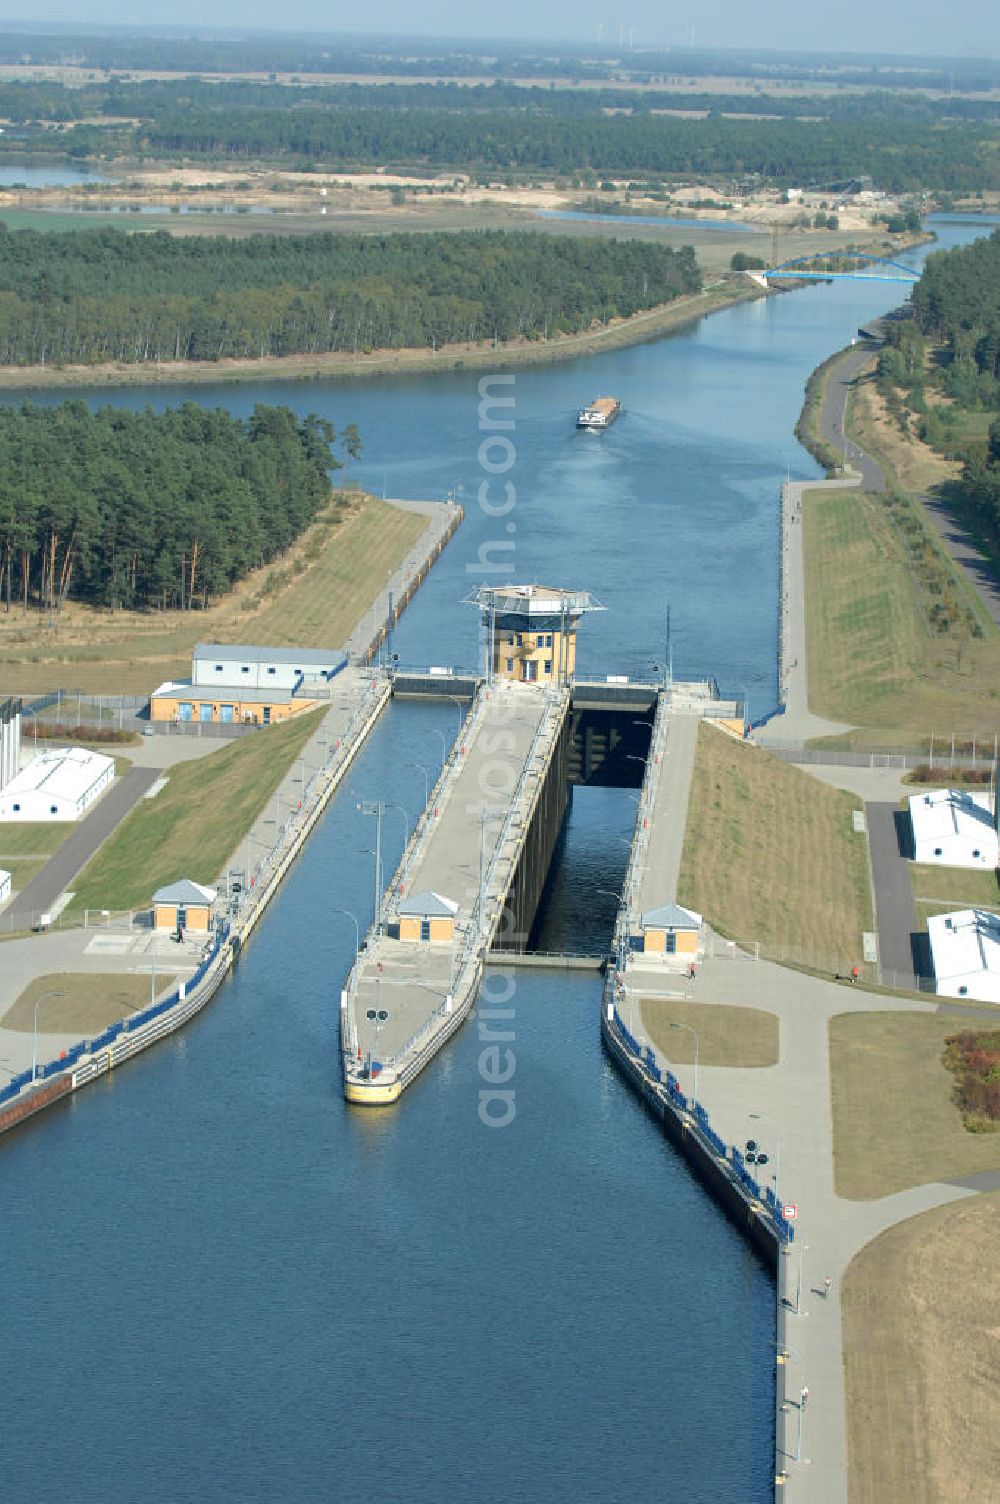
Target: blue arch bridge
[[869, 269]]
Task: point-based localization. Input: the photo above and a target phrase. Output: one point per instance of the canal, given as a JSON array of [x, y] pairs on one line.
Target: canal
[[220, 1284]]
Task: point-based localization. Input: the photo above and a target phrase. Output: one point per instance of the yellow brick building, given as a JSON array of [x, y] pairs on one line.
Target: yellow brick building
[[185, 701], [670, 931], [427, 916], [183, 905], [531, 631]]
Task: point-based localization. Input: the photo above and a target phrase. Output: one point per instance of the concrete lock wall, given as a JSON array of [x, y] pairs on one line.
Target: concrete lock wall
[[532, 870]]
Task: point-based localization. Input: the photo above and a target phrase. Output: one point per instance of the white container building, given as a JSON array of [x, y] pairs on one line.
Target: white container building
[[59, 784], [954, 828], [965, 949]]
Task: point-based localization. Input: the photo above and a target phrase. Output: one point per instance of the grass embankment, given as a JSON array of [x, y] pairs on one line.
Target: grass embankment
[[938, 890], [878, 664], [88, 1003], [195, 824], [895, 1119], [726, 1036], [770, 855], [311, 598], [25, 848], [921, 1311], [618, 333]]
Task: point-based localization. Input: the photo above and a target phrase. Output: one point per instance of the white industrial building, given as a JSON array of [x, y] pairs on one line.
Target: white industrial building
[[232, 666], [59, 784], [965, 949], [4, 886], [954, 829]]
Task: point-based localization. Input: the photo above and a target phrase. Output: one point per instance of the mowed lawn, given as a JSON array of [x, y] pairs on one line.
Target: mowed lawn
[[726, 1035], [193, 826], [770, 855], [938, 890], [895, 1122], [310, 598], [872, 659], [323, 605], [81, 1001], [921, 1311]]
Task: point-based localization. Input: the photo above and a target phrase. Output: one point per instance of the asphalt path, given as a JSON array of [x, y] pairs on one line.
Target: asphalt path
[[896, 912], [40, 894], [976, 568]]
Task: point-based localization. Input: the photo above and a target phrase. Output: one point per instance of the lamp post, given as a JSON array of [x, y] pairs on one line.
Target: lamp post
[[427, 782], [461, 711], [444, 743], [376, 807], [357, 928], [34, 1031], [392, 804], [784, 1353], [622, 908], [759, 1117], [695, 1033]]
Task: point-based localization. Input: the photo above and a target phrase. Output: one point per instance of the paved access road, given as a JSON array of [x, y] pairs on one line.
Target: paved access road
[[41, 892], [896, 913]]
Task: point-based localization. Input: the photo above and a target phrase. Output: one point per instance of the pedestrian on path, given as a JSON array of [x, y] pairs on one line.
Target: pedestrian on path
[[826, 1285], [803, 1397], [691, 971]]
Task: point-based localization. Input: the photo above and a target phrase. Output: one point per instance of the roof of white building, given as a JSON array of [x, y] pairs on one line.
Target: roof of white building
[[184, 891], [60, 773], [241, 652], [227, 694], [965, 942], [670, 916], [940, 814], [427, 905], [4, 877]]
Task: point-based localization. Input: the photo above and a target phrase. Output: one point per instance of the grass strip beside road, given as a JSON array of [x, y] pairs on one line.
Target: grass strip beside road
[[921, 1309], [873, 660], [771, 856], [895, 1120], [727, 1036], [193, 826], [89, 1001]]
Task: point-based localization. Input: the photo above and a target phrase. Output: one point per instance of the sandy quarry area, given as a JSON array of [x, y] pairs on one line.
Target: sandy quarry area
[[372, 192]]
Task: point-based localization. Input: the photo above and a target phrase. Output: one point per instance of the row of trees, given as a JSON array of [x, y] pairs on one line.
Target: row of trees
[[230, 52], [98, 295], [22, 100], [138, 509], [951, 346], [898, 154]]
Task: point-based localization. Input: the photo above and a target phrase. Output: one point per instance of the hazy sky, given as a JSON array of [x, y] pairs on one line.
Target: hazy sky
[[959, 28]]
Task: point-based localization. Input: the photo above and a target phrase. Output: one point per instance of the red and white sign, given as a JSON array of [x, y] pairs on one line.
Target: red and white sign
[[789, 1211]]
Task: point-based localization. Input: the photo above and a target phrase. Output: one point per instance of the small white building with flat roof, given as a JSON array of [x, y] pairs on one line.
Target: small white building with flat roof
[[954, 828], [4, 886], [61, 783], [240, 666], [965, 950]]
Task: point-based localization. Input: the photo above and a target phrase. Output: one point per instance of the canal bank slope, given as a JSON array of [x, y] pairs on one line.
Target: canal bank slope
[[720, 294]]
